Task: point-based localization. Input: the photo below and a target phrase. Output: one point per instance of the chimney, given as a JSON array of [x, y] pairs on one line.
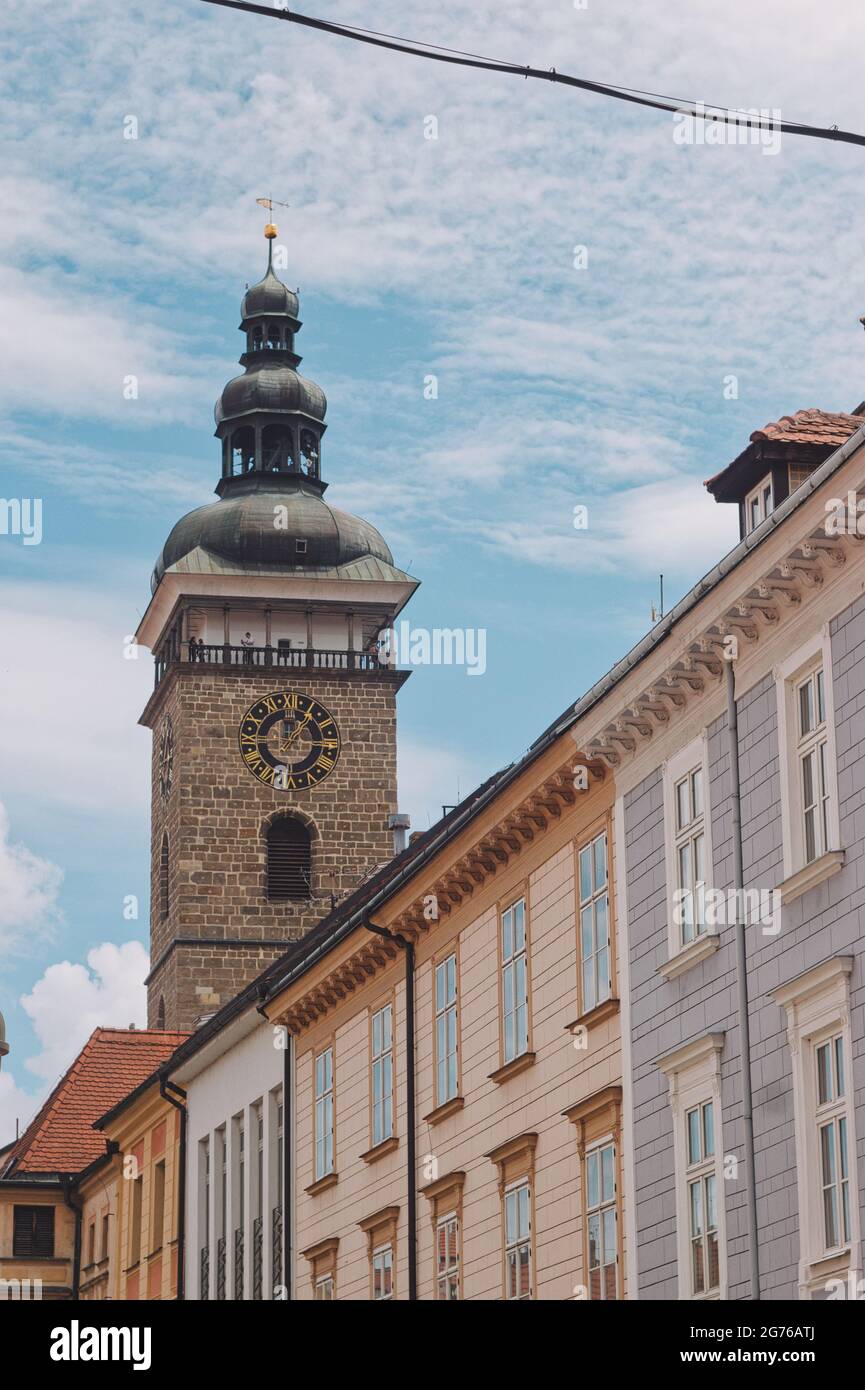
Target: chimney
[[399, 824]]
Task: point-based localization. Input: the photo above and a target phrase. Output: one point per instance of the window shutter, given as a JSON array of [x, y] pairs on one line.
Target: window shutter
[[288, 860], [163, 878], [33, 1232]]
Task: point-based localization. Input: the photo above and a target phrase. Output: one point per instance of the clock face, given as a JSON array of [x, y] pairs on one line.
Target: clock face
[[166, 757], [289, 741]]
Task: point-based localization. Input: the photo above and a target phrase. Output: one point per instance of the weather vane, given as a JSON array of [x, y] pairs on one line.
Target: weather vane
[[269, 204]]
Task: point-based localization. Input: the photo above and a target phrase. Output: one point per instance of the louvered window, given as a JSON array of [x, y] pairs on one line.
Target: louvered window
[[288, 860], [33, 1232], [163, 878]]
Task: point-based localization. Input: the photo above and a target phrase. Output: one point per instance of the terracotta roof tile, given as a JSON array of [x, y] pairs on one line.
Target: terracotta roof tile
[[112, 1063], [810, 427]]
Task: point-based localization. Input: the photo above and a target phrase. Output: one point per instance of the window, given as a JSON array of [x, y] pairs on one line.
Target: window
[[104, 1255], [33, 1232], [446, 1062], [831, 1119], [381, 1231], [690, 854], [694, 1076], [160, 1013], [324, 1113], [289, 860], [702, 1198], [163, 878], [91, 1243], [324, 1289], [300, 547], [812, 755], [238, 1208], [518, 1242], [382, 1274], [758, 504], [448, 1258], [594, 923], [135, 1220], [322, 1268], [691, 935], [601, 1221], [817, 1006], [808, 767], [158, 1204], [382, 1074], [515, 996]]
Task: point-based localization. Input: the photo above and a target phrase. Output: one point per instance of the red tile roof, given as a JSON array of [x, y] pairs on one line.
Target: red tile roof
[[823, 430], [111, 1063], [811, 427]]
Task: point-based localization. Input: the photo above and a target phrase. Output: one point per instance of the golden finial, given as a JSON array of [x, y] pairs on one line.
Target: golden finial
[[270, 230]]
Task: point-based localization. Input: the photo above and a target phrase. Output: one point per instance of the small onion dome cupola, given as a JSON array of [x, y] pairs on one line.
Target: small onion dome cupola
[[4, 1046], [271, 517], [270, 419]]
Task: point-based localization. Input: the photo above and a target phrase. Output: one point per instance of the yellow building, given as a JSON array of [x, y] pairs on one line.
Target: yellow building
[[146, 1129], [58, 1185]]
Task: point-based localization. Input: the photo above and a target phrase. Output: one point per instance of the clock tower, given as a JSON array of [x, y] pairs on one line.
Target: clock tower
[[274, 717]]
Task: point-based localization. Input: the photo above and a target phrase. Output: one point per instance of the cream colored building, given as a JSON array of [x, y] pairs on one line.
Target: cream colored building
[[515, 1134]]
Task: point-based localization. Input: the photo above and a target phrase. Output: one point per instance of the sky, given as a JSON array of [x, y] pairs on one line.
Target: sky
[[606, 313]]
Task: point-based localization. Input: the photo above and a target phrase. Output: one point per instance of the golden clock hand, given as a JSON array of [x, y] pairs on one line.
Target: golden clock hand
[[293, 736]]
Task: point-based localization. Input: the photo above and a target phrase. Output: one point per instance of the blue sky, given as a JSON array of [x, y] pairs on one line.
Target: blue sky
[[557, 386]]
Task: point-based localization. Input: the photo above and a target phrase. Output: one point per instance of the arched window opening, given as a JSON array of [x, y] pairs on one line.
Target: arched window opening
[[163, 878], [242, 451], [277, 449], [255, 339], [309, 453], [274, 335], [289, 860], [160, 1013]]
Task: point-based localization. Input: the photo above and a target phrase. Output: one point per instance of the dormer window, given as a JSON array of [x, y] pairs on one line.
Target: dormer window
[[759, 504]]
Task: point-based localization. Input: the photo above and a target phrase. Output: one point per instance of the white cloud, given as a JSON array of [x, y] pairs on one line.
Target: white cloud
[[15, 1106], [70, 1000], [28, 890]]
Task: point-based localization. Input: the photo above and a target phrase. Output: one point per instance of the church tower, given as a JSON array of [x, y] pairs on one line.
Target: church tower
[[274, 717]]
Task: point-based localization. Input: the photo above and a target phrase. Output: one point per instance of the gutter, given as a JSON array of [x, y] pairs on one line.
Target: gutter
[[68, 1185], [742, 984], [164, 1086], [411, 1160]]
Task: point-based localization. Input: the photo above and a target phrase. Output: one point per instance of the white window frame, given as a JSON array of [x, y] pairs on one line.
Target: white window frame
[[511, 963], [520, 1240], [324, 1289], [817, 1007], [588, 909], [694, 1077], [758, 495], [688, 760], [447, 1079], [604, 1207], [381, 1073], [451, 1269], [323, 1084], [382, 1259], [789, 677]]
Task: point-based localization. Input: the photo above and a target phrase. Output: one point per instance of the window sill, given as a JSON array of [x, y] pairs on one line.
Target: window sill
[[329, 1180], [811, 876], [521, 1063], [377, 1151], [445, 1110], [606, 1009], [703, 946]]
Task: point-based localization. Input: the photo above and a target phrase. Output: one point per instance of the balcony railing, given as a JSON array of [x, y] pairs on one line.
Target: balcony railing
[[204, 1273], [257, 1257], [278, 658], [220, 1268], [238, 1265], [276, 1247]]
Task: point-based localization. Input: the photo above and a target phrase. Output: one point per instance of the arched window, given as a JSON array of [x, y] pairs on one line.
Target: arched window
[[277, 449], [163, 878], [160, 1013], [309, 453], [289, 860], [242, 450]]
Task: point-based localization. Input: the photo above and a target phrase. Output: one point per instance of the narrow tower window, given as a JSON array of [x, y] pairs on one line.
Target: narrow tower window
[[289, 860], [163, 878]]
